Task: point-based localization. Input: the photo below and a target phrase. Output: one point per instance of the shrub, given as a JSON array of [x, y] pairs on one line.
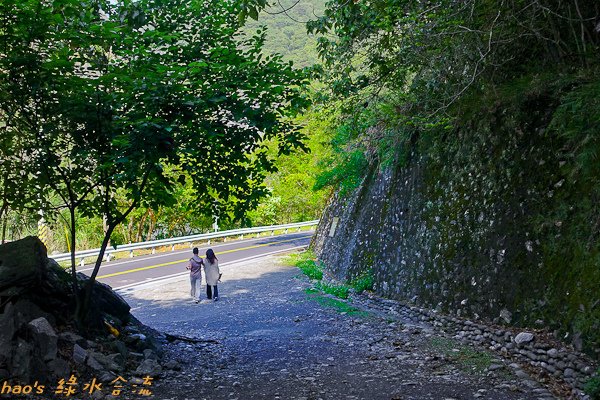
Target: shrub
[[592, 387], [363, 282], [310, 269], [340, 291]]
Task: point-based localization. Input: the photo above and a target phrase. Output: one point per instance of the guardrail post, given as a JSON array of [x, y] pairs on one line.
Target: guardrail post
[[107, 256], [172, 247], [258, 234], [154, 250], [208, 242], [225, 239], [272, 233], [82, 262], [130, 253], [241, 237], [191, 244], [298, 230], [286, 231]]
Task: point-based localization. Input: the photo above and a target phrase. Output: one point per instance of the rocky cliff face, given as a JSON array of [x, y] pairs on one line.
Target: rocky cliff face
[[483, 224]]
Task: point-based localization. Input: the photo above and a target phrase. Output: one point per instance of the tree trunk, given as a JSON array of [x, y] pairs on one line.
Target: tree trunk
[[138, 235], [130, 230], [84, 297], [105, 227], [72, 245], [4, 225], [151, 225]]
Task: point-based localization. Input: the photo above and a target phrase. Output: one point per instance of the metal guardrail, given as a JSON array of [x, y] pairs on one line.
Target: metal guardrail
[[153, 244]]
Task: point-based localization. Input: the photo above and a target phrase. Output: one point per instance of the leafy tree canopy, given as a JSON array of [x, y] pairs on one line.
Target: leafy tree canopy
[[444, 47], [399, 68], [104, 95]]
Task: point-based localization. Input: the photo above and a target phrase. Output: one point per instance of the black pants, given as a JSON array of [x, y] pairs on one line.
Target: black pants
[[210, 290]]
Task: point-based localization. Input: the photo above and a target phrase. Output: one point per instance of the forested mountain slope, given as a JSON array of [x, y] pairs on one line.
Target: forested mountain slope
[[286, 30]]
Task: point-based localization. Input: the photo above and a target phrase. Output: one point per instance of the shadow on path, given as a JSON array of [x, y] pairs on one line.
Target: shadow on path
[[276, 342]]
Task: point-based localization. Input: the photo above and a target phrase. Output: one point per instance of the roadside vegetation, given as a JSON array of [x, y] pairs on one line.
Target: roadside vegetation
[[329, 295], [307, 263]]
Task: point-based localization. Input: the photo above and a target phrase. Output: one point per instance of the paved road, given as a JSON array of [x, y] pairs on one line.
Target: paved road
[[121, 274]]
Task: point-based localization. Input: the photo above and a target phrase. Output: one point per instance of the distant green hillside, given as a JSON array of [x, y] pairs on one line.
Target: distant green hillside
[[286, 30]]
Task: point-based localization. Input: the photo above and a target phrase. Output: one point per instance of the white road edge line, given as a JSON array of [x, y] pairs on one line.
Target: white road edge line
[[132, 287], [170, 253]]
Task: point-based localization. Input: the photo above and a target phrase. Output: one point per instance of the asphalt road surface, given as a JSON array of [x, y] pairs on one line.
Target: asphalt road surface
[[124, 273]]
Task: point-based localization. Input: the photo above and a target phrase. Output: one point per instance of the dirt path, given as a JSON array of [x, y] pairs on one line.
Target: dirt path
[[277, 338]]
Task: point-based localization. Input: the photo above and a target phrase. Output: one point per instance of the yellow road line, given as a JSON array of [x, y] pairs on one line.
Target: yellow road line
[[180, 261]]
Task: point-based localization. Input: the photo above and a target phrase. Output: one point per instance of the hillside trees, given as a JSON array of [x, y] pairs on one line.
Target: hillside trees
[[285, 21], [447, 46], [401, 67], [106, 95], [12, 178]]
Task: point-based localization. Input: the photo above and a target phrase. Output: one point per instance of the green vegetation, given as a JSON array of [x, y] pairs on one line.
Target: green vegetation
[[286, 21], [305, 261], [283, 193], [467, 358], [338, 305], [292, 195], [310, 269], [108, 105], [340, 291], [592, 386], [363, 282], [402, 79]]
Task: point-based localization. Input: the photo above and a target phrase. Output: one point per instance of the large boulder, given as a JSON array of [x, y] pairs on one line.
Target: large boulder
[[111, 303], [20, 263], [7, 322], [27, 310], [57, 287], [106, 305], [44, 337]]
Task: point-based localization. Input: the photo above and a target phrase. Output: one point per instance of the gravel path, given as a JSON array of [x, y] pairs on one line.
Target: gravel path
[[277, 338]]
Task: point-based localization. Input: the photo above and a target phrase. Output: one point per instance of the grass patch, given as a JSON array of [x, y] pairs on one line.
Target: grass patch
[[310, 269], [306, 263], [338, 305], [468, 358], [363, 282], [295, 258], [340, 291]]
